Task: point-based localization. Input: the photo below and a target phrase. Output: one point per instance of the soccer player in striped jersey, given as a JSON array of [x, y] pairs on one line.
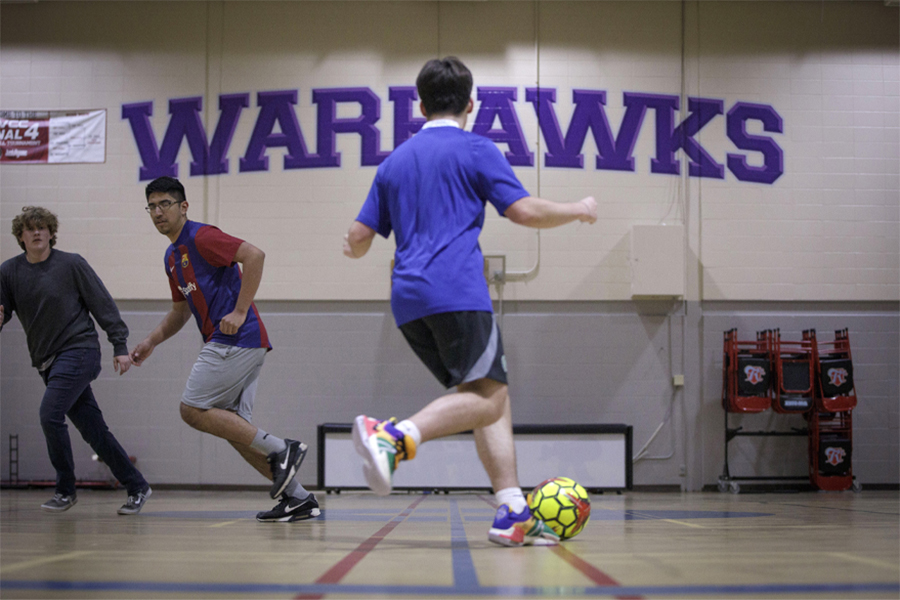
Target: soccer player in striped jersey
[[202, 268]]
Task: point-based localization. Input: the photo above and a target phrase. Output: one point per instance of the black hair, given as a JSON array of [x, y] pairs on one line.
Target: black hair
[[166, 185], [444, 86]]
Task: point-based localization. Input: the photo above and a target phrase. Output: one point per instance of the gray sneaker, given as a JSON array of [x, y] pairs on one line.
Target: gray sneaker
[[59, 503], [135, 503]]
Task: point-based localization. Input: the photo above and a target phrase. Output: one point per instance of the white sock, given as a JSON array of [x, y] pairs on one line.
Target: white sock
[[513, 498], [410, 429]]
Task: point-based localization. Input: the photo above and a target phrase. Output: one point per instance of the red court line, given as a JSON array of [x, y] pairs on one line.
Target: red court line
[[584, 567], [340, 570], [589, 570]]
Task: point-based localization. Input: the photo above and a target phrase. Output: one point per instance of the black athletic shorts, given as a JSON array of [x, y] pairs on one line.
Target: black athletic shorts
[[458, 347]]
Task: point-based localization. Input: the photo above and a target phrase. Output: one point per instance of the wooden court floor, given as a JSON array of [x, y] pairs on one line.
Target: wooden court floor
[[637, 545]]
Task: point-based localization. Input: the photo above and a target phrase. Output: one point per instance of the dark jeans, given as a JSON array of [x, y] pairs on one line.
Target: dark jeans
[[68, 382]]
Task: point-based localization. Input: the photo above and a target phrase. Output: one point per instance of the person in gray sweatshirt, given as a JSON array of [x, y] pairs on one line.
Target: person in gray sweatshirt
[[54, 293]]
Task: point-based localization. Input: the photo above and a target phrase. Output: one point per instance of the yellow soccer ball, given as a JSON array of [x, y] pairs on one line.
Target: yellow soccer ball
[[563, 504]]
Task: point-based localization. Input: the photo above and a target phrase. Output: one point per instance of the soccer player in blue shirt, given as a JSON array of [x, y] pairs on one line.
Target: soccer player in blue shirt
[[431, 192], [205, 281]]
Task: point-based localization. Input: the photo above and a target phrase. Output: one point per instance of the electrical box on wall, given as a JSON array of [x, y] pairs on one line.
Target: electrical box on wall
[[657, 261]]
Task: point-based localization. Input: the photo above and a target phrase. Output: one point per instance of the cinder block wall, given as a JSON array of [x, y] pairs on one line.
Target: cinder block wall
[[786, 185]]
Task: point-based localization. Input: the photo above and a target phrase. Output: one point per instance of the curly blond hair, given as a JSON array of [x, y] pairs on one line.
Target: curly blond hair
[[31, 217]]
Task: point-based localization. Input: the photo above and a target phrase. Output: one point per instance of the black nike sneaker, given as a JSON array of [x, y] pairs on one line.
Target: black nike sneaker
[[290, 509], [284, 465]]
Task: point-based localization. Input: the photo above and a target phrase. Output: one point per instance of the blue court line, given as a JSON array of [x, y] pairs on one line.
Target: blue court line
[[326, 515], [425, 590], [642, 515], [464, 575], [650, 515], [470, 516]]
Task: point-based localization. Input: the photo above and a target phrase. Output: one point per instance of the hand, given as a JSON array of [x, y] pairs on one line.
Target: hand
[[121, 363], [591, 206], [231, 322], [348, 251], [140, 353]]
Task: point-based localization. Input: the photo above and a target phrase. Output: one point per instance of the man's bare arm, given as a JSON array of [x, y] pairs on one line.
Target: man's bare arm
[[169, 326], [531, 211], [251, 259], [358, 240]]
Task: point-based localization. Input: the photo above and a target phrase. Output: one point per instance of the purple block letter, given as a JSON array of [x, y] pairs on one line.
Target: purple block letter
[[364, 124], [277, 107], [498, 102], [773, 157], [184, 123], [405, 125]]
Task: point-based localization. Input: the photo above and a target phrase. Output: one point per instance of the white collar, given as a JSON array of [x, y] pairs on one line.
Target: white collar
[[441, 123]]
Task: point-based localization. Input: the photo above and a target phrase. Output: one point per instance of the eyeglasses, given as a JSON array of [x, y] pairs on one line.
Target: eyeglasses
[[163, 206]]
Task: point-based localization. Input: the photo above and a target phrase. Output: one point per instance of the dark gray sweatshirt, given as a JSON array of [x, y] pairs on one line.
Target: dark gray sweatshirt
[[55, 300]]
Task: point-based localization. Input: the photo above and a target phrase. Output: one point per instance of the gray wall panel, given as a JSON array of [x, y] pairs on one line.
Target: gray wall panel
[[569, 363]]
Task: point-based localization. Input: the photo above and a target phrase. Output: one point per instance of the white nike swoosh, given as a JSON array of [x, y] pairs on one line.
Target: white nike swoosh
[[287, 455]]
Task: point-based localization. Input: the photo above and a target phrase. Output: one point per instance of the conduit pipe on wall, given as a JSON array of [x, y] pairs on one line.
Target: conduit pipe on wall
[[530, 273], [499, 278]]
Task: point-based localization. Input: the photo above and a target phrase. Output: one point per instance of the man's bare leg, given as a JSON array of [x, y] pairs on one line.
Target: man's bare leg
[[497, 451], [231, 427], [482, 406], [241, 434], [254, 458], [220, 423], [474, 405]]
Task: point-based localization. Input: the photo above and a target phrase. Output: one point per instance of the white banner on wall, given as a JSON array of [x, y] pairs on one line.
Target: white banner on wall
[[59, 136]]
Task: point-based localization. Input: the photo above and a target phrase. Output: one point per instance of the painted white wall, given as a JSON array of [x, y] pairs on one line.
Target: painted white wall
[[827, 229]]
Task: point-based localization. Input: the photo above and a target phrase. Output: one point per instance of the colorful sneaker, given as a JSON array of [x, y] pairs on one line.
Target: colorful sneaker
[[285, 464], [382, 446], [290, 509], [135, 503], [520, 529], [59, 503]]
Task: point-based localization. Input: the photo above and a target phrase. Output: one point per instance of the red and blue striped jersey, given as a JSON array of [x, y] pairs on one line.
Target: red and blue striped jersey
[[202, 272]]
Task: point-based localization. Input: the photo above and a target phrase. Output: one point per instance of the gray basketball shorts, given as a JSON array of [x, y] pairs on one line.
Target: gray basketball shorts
[[225, 377]]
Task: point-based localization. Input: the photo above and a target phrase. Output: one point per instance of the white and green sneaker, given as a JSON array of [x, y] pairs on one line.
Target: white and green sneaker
[[382, 447]]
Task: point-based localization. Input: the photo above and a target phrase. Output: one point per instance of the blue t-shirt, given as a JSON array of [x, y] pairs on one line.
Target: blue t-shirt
[[431, 192]]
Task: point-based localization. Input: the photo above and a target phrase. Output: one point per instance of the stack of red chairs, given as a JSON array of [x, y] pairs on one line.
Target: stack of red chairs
[[830, 421], [794, 366], [746, 374]]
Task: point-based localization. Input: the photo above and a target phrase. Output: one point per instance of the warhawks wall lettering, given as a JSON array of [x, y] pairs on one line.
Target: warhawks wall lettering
[[758, 158]]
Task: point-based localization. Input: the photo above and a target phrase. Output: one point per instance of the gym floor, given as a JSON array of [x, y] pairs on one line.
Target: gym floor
[[207, 544]]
